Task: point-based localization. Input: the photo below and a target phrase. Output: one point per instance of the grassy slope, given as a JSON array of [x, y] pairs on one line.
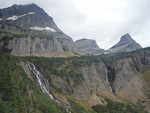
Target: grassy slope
[[20, 95], [118, 107], [146, 76]]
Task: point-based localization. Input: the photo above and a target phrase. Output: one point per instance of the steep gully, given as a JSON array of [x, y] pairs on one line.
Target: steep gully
[[111, 77]]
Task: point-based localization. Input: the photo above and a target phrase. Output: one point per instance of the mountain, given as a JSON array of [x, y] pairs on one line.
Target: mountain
[[88, 47], [29, 16], [126, 44], [29, 31], [67, 76], [113, 83]]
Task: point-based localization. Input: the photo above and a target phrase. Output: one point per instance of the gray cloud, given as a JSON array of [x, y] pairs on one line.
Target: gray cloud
[[134, 19]]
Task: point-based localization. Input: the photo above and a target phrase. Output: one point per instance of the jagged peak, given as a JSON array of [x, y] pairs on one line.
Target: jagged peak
[[126, 37], [126, 43]]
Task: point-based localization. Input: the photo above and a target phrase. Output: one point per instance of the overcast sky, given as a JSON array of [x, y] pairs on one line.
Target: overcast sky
[[102, 20]]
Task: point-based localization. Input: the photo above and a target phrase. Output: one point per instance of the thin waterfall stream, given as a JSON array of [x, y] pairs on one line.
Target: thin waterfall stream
[[44, 85]]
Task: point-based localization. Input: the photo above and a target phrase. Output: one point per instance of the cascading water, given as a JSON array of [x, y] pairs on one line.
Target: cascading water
[[44, 84]]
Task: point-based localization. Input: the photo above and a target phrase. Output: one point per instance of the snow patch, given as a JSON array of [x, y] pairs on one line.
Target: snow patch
[[31, 13], [1, 19], [43, 29], [13, 18]]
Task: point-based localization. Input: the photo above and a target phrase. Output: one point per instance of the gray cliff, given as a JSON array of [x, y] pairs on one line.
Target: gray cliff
[[88, 47]]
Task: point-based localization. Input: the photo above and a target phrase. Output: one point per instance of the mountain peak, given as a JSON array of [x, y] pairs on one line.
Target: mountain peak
[[126, 38], [32, 5], [28, 16], [18, 10], [126, 44]]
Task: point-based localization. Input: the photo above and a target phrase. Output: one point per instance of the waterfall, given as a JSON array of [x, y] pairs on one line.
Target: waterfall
[[43, 83]]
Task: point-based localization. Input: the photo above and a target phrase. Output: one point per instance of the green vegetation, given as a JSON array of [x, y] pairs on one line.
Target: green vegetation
[[8, 35], [79, 107], [117, 107], [146, 76], [62, 67], [18, 94], [11, 34]]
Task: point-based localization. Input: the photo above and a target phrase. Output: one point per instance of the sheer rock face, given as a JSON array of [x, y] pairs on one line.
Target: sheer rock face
[[43, 37], [35, 47], [126, 44], [120, 78], [45, 45], [88, 47]]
